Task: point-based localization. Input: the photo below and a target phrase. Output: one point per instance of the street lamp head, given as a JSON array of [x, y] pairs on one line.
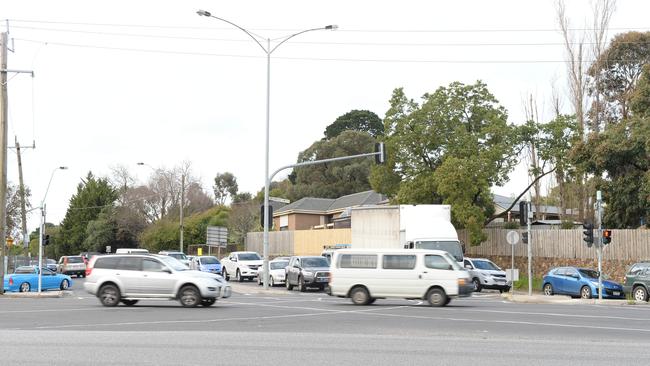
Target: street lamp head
[[63, 167], [140, 163], [204, 13], [332, 27]]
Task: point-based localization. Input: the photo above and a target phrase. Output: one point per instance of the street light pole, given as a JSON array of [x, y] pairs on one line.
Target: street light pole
[[41, 231], [268, 50]]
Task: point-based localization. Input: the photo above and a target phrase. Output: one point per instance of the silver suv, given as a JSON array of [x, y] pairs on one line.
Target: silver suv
[[131, 277]]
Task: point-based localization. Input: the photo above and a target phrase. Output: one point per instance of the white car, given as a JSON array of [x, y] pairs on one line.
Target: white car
[[129, 278], [178, 255], [276, 272], [486, 274], [241, 265]]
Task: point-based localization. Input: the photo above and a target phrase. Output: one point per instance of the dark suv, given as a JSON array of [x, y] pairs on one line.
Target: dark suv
[[304, 271], [637, 281]]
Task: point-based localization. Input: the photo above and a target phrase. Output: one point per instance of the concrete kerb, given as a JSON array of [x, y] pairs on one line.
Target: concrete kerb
[[567, 300], [241, 289], [36, 295]]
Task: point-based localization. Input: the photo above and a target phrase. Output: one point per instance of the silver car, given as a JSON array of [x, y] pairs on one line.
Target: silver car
[[133, 277]]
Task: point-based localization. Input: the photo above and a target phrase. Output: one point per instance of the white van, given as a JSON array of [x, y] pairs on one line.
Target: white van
[[131, 251], [365, 275]]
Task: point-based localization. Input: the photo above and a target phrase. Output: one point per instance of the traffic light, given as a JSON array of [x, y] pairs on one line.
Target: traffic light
[[46, 240], [588, 233], [524, 237], [380, 153], [270, 216], [607, 236], [523, 213]]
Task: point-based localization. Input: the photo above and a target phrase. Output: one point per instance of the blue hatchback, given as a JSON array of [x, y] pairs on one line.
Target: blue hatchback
[[579, 282], [206, 263], [25, 279]]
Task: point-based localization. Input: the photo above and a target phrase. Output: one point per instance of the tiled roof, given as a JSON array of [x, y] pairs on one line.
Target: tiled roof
[[329, 204]]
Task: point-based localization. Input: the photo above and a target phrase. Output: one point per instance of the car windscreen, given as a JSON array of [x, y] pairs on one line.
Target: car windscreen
[[173, 263], [451, 247], [179, 256], [487, 265], [75, 260], [315, 262], [589, 273], [249, 257], [278, 265], [209, 260]]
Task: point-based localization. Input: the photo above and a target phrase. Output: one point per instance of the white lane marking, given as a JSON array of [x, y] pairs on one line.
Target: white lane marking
[[270, 317], [644, 330], [52, 310], [548, 314]]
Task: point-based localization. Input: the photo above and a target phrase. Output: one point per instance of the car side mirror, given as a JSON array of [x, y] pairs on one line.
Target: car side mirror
[[450, 267], [296, 265], [468, 266], [167, 270], [234, 259]]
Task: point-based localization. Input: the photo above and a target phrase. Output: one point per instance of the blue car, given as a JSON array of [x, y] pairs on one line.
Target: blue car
[[579, 282], [25, 279], [206, 263]]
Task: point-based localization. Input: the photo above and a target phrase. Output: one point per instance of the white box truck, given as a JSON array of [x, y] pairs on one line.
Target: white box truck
[[405, 226]]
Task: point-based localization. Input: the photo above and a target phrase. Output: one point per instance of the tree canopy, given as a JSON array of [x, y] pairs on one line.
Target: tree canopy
[[356, 120]]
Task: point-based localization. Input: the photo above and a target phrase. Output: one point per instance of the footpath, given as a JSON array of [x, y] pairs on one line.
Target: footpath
[[539, 298], [35, 295]]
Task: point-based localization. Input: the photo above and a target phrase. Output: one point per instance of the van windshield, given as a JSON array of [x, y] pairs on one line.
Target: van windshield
[[451, 247], [457, 267]]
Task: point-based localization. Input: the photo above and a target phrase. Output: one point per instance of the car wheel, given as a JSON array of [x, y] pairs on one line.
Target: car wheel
[[271, 281], [24, 287], [259, 280], [64, 285], [289, 285], [437, 297], [371, 301], [238, 277], [477, 285], [189, 296], [360, 296], [640, 293], [129, 302], [225, 275], [585, 292], [208, 302], [109, 295], [301, 284], [548, 289], [448, 301]]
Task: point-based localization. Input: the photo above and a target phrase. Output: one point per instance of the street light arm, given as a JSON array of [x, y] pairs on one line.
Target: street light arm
[[50, 182], [208, 14], [332, 27]]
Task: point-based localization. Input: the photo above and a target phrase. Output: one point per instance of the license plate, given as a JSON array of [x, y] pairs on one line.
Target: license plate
[[616, 293], [321, 279]]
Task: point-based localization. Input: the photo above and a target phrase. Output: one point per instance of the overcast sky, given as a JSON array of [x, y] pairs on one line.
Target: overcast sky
[[117, 82]]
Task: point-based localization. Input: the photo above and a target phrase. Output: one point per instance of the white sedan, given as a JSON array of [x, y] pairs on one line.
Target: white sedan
[[276, 272]]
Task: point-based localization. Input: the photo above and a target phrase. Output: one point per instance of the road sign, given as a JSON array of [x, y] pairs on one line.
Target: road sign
[[512, 237], [108, 249], [512, 275], [217, 236], [199, 251], [278, 199]]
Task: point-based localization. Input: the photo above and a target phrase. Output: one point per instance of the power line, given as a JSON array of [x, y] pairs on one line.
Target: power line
[[391, 44], [477, 30], [314, 58]]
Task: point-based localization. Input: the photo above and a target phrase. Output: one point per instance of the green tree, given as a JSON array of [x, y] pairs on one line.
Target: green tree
[[616, 72], [357, 120], [225, 184], [93, 195], [332, 180], [449, 149]]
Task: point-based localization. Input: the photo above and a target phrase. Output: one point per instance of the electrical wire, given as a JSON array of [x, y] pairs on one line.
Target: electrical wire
[[460, 61]]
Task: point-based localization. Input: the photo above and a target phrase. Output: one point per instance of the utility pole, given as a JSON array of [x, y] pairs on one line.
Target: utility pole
[[182, 204], [22, 198], [3, 155], [530, 247]]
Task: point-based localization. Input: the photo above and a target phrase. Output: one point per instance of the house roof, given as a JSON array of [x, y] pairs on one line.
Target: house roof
[[323, 205], [504, 202]]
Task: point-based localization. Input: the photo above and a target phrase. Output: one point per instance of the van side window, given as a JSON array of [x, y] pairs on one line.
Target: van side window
[[436, 262], [399, 261], [358, 261]]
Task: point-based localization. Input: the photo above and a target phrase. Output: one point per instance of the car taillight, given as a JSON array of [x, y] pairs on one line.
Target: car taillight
[[11, 281], [88, 271]]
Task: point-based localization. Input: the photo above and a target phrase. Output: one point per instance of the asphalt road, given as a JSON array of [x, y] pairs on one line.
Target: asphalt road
[[292, 328]]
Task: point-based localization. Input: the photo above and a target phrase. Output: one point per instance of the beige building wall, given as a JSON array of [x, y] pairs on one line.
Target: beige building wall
[[311, 242]]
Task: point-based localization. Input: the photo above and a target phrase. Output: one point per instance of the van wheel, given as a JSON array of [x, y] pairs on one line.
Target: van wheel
[[189, 296], [109, 295], [360, 296], [437, 297]]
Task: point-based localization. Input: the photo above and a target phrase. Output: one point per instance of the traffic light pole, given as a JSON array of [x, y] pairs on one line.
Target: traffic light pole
[[40, 247], [599, 242], [530, 250]]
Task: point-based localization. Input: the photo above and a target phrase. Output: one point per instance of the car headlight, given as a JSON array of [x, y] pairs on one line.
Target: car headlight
[[307, 273]]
